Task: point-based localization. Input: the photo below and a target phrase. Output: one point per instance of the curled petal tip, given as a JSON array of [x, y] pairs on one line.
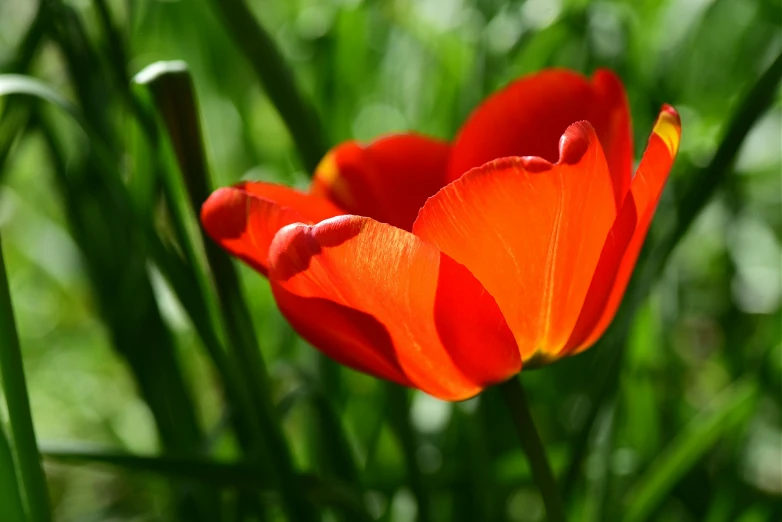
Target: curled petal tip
[[335, 231], [669, 127], [287, 234], [672, 111], [383, 301], [575, 142], [294, 245], [291, 250], [224, 213], [535, 164]]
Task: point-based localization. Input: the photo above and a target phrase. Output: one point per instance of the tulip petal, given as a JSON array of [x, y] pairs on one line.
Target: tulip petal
[[382, 301], [624, 242], [388, 180], [244, 218], [531, 232], [528, 117]]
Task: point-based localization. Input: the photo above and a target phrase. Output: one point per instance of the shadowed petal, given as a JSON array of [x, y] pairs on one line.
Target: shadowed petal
[[388, 180], [382, 301], [628, 233], [529, 115], [531, 232], [244, 218]]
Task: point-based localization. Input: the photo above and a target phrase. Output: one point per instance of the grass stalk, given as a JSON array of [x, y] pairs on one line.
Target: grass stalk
[[18, 403]]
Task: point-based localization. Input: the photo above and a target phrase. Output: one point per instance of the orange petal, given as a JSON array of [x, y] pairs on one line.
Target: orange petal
[[531, 232], [388, 180], [244, 218], [380, 300], [528, 117], [628, 233]]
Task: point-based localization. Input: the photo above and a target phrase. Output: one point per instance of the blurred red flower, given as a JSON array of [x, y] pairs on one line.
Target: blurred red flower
[[444, 267]]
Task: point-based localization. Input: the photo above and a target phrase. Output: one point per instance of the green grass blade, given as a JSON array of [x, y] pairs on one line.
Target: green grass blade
[[728, 412], [231, 474], [174, 96], [706, 181], [172, 91], [334, 446], [127, 306], [101, 220], [18, 404], [24, 85], [11, 505], [277, 79], [13, 121], [399, 419], [173, 404], [115, 49], [702, 187], [27, 85], [13, 117], [189, 284], [226, 474]]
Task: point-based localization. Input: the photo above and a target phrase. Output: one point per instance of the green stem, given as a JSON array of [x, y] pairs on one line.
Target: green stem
[[278, 82], [18, 403], [516, 400]]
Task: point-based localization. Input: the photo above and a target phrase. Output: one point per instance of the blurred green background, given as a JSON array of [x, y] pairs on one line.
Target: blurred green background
[[675, 416]]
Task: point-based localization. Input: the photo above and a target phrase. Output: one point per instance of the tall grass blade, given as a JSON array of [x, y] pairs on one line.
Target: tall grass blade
[[175, 99], [236, 475], [18, 404], [703, 186], [11, 504], [277, 79], [727, 413]]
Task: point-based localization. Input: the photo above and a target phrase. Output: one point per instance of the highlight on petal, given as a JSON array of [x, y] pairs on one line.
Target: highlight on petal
[[529, 115], [388, 180], [531, 232], [243, 219], [382, 301], [624, 242]]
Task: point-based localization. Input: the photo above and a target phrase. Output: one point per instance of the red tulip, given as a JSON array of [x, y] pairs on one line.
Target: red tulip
[[445, 267]]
